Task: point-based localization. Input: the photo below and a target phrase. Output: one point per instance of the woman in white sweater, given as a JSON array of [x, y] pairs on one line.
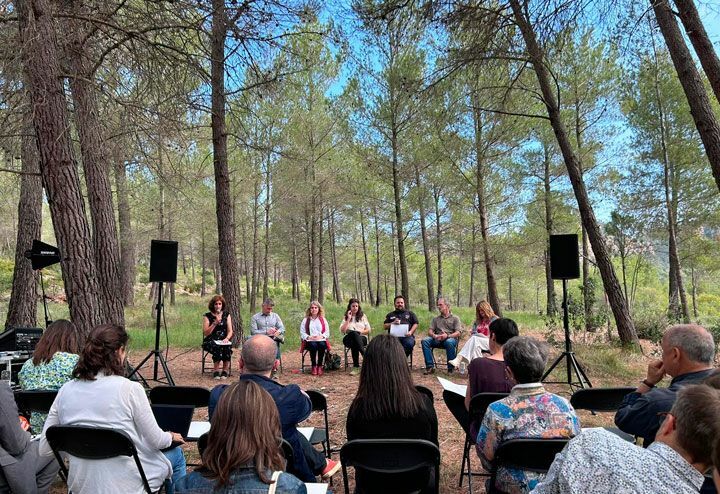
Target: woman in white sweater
[[100, 396], [315, 333]]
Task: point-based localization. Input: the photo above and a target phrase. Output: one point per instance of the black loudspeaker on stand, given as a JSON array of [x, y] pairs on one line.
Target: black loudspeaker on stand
[[565, 265], [163, 268]]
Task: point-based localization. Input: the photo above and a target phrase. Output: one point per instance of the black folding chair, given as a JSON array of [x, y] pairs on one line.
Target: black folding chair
[[602, 400], [320, 436], [478, 405], [208, 364], [196, 396], [379, 461], [92, 443], [306, 352], [426, 391], [347, 349], [39, 401], [535, 455]]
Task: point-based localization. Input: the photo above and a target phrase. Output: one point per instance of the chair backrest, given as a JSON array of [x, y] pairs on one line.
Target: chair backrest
[[92, 443], [35, 401], [196, 396], [318, 400], [426, 391], [456, 405], [392, 457], [528, 454], [480, 403], [599, 399]]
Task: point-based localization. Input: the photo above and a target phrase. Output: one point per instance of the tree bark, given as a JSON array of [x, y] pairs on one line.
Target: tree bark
[[224, 204], [255, 242], [701, 42], [438, 241], [425, 243], [400, 235], [127, 244], [321, 263], [378, 299], [337, 294], [549, 228], [365, 254], [625, 327], [266, 240], [22, 307], [473, 262], [57, 163], [701, 110]]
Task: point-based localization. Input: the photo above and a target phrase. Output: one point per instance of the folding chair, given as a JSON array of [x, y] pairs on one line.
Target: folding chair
[[347, 349], [304, 352], [92, 443], [38, 401], [535, 455], [196, 396], [478, 405], [379, 462], [602, 400], [426, 391], [320, 436], [207, 365]]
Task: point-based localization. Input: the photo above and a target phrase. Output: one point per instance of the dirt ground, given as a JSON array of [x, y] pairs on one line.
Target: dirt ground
[[339, 386]]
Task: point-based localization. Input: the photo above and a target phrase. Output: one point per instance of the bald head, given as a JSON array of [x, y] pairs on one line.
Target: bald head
[[258, 354], [694, 341]]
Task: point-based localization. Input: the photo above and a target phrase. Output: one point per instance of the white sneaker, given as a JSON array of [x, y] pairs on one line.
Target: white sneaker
[[454, 362]]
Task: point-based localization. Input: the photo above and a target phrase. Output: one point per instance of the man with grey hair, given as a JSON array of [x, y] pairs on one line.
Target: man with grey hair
[[598, 461], [688, 351], [257, 361], [444, 333]]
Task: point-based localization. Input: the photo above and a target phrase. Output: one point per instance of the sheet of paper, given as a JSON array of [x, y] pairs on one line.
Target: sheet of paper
[[316, 488], [306, 431], [197, 429], [460, 389], [222, 343], [399, 330]]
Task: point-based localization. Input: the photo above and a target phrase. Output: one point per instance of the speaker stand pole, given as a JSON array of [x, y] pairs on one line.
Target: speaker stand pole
[[158, 356], [568, 355], [44, 298]]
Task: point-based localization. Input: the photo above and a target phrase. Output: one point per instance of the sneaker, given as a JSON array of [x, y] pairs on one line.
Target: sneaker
[[223, 375], [454, 362], [331, 468], [216, 375], [355, 371], [429, 370], [314, 370]]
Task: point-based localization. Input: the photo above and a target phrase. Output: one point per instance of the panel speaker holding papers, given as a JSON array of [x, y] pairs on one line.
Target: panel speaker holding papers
[[402, 324]]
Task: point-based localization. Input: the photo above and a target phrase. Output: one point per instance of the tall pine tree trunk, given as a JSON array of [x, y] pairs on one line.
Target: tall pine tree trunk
[[337, 294], [399, 232], [625, 327], [365, 254], [549, 283], [377, 300], [473, 262], [266, 240], [127, 243], [425, 243], [438, 237], [255, 242]]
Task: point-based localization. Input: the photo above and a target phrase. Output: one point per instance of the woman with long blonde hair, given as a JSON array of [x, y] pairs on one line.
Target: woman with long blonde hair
[[243, 452], [315, 332], [478, 341]]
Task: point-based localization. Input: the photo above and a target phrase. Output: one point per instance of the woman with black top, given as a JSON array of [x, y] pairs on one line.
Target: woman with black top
[[218, 333], [387, 406], [356, 329]]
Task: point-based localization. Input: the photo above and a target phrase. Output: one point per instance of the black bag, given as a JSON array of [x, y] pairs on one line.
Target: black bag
[[332, 362]]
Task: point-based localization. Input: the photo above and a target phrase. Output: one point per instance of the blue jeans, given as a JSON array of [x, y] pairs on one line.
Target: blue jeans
[[450, 346], [408, 343], [179, 468]]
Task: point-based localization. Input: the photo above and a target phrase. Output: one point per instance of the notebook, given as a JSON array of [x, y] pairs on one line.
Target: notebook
[[174, 418]]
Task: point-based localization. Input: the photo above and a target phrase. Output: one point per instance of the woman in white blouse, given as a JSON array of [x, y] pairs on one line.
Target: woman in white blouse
[[315, 332], [100, 396], [356, 328]]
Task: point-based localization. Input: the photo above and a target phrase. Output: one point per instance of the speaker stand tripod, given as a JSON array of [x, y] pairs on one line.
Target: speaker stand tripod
[[155, 353], [568, 355]]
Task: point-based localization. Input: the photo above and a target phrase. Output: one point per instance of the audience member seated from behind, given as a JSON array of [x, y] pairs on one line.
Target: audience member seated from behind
[[356, 328], [315, 332], [256, 364], [478, 341], [598, 461], [100, 396], [387, 406], [488, 375], [22, 470], [218, 326], [243, 454], [687, 356], [52, 364], [528, 412]]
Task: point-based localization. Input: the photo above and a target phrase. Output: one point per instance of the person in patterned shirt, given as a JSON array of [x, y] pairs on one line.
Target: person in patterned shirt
[[598, 461], [528, 412]]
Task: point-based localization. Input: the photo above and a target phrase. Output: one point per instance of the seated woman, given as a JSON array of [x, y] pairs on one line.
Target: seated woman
[[315, 332], [217, 326], [487, 375], [100, 396], [356, 329], [529, 412], [52, 364], [388, 406], [478, 341], [243, 453]]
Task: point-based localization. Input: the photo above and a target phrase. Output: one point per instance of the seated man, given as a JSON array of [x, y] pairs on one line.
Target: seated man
[[402, 316], [21, 468], [687, 356], [444, 333], [598, 461], [256, 363]]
